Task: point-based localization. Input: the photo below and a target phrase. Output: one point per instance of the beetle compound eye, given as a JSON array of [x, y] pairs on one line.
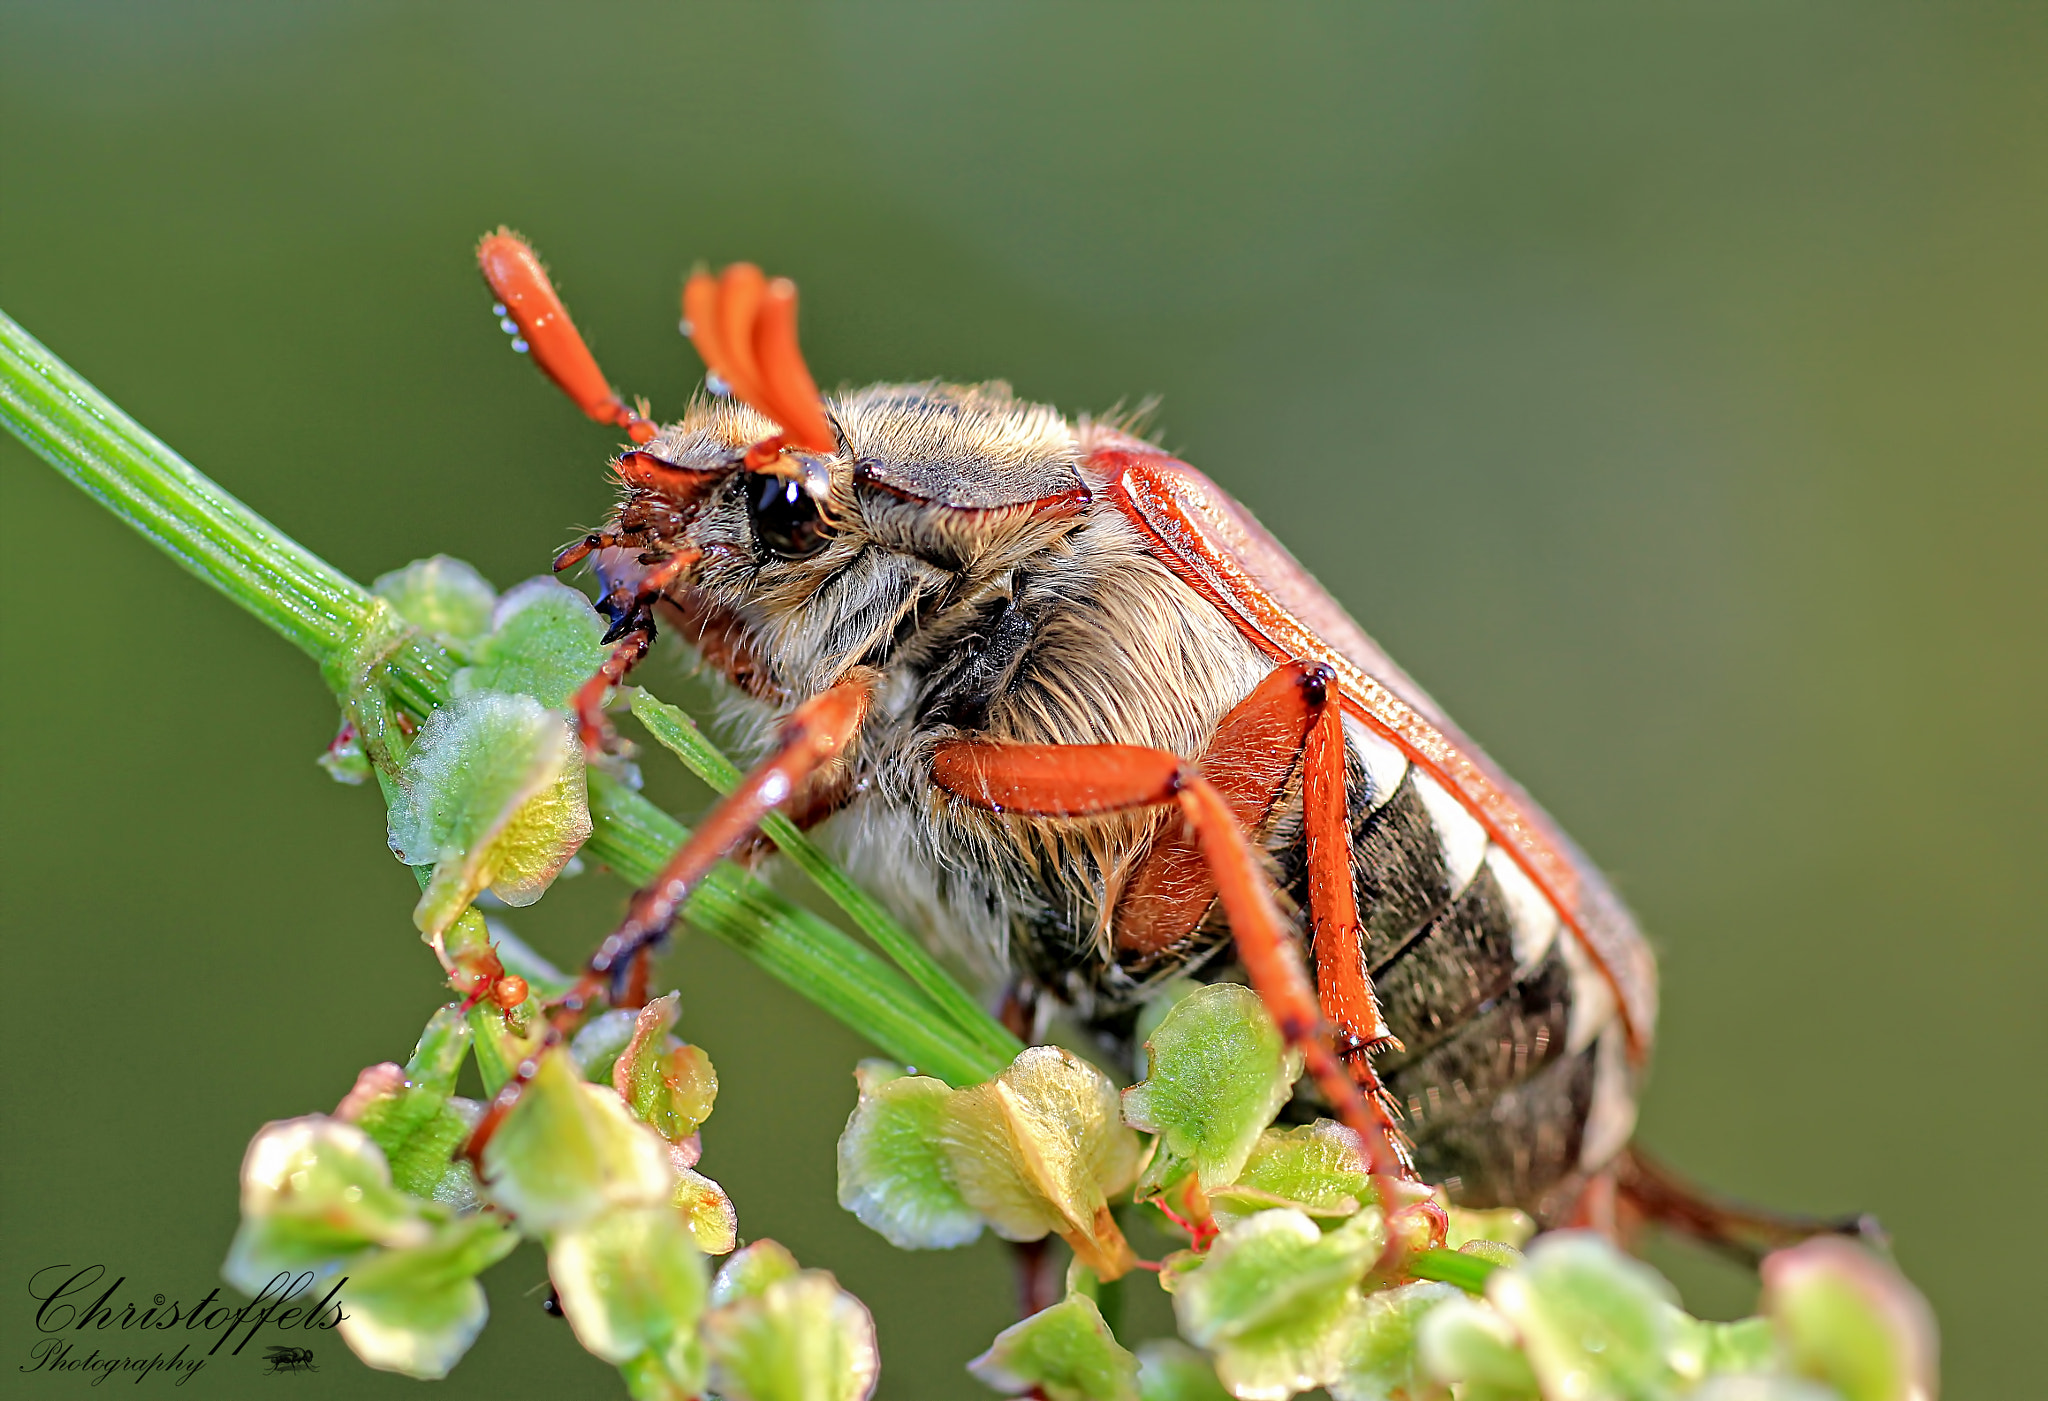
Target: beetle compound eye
[[786, 519]]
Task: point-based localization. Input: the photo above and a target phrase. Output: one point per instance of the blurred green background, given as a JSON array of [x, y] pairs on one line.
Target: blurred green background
[[1663, 386]]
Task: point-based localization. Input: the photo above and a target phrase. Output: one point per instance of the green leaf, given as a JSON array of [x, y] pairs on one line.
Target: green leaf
[[570, 1150], [1379, 1361], [500, 1046], [420, 1127], [1594, 1323], [417, 1310], [794, 1337], [1762, 1387], [1850, 1320], [601, 1040], [316, 1190], [1503, 1226], [1170, 1370], [893, 1170], [1274, 1299], [491, 795], [632, 1282], [1065, 1353], [748, 1274], [437, 1057], [1466, 1341], [1316, 1168], [445, 596], [1746, 1345], [345, 759], [545, 641], [669, 1375], [1218, 1073], [419, 1133], [707, 1212], [1040, 1149], [664, 1082]]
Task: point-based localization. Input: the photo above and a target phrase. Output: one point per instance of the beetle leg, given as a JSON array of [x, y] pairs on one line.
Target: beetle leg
[[1293, 715], [502, 1103], [632, 628], [543, 327], [812, 737], [638, 973], [1250, 759], [744, 326], [1085, 780], [1038, 1282], [1644, 1190], [575, 554], [588, 702], [1342, 981], [816, 732]]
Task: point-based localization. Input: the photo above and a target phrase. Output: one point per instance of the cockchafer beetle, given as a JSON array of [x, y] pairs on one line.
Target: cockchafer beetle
[[1078, 715]]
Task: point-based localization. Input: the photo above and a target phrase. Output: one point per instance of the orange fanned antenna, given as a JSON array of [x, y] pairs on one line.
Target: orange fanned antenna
[[521, 284], [744, 325]]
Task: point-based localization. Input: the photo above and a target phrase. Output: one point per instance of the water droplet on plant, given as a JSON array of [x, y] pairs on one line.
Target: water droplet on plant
[[497, 308], [508, 326], [519, 345], [684, 326], [716, 385]]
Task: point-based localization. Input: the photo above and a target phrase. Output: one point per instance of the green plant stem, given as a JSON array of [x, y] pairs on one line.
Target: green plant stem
[[134, 474], [678, 733], [329, 616], [1468, 1272]]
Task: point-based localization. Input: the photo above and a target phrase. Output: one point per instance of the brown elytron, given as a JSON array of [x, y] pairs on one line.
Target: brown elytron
[[1071, 709]]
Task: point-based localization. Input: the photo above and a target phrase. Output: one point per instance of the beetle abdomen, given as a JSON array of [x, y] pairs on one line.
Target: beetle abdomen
[[1511, 1076]]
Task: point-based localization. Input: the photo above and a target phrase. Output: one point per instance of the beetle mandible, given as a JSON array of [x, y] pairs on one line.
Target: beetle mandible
[[1076, 713]]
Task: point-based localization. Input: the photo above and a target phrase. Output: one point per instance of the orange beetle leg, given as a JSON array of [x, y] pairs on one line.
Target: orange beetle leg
[[1277, 976], [1292, 716], [1637, 1190], [638, 972], [536, 312], [815, 733], [1250, 759], [1081, 780], [632, 630], [588, 702], [1341, 978], [576, 553]]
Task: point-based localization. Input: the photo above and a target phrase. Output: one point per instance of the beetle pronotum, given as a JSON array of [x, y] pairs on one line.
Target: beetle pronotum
[[1082, 718]]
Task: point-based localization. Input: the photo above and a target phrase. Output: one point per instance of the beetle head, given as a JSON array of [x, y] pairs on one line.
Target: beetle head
[[931, 496], [818, 534]]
